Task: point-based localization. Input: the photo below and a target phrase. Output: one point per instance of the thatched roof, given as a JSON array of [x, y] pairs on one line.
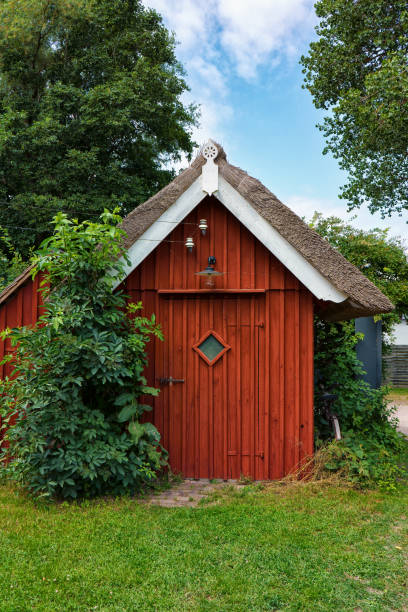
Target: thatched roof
[[364, 298]]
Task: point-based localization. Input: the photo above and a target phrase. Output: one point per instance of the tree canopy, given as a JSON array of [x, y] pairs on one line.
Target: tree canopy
[[380, 257], [91, 111], [357, 70]]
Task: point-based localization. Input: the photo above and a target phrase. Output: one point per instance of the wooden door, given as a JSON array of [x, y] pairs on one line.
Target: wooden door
[[211, 370]]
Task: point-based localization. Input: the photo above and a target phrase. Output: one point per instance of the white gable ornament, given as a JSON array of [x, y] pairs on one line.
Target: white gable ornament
[[210, 169]]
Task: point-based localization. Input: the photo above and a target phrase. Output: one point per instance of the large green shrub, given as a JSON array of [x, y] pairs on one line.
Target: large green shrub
[[77, 397], [371, 451]]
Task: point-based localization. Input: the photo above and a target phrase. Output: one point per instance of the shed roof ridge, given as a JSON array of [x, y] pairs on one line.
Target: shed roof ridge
[[364, 297]]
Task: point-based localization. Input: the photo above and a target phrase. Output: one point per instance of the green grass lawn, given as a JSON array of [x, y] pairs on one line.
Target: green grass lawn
[[398, 394], [307, 548]]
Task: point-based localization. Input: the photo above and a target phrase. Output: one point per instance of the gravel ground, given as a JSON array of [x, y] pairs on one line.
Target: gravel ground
[[402, 414]]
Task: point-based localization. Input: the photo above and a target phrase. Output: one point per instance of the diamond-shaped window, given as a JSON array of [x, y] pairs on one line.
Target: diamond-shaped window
[[211, 347]]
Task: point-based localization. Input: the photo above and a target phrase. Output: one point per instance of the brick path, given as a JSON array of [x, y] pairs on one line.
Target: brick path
[[188, 492]]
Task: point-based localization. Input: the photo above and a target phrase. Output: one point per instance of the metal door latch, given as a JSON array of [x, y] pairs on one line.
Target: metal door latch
[[170, 380]]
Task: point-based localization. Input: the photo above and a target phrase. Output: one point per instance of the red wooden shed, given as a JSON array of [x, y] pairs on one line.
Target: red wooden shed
[[236, 366]]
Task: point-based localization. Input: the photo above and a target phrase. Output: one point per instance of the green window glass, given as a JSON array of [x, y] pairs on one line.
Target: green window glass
[[211, 347]]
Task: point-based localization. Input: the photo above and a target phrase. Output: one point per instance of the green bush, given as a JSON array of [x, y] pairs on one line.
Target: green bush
[[76, 400], [371, 451]]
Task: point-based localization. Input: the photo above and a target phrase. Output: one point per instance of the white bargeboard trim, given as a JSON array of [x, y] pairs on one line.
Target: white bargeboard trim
[[317, 284]]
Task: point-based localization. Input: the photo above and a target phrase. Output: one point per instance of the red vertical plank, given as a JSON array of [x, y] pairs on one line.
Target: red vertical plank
[[273, 374], [234, 255], [179, 252], [27, 304], [172, 261], [224, 242], [261, 272], [35, 299], [197, 258], [165, 395], [252, 407], [177, 389], [189, 375], [163, 266], [224, 408], [296, 382], [2, 342], [282, 387], [183, 373], [306, 374], [219, 389], [289, 340], [184, 261], [210, 407], [291, 380], [205, 395], [157, 414], [247, 263], [2, 327], [147, 273], [265, 373], [261, 378], [232, 389], [276, 273], [246, 400], [173, 409], [291, 282], [19, 307]]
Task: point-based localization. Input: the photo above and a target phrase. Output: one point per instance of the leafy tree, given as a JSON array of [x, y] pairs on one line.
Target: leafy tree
[[80, 373], [90, 110], [381, 258], [358, 71]]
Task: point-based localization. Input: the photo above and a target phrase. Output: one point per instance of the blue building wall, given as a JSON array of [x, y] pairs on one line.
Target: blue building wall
[[369, 350]]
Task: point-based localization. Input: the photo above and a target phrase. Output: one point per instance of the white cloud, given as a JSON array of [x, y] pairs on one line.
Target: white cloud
[[189, 19], [263, 31], [249, 32], [219, 38]]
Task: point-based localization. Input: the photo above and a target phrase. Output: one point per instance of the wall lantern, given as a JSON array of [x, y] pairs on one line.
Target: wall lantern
[[203, 226], [210, 272], [189, 244]]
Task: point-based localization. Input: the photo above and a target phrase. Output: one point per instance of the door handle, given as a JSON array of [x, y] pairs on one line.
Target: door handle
[[170, 380]]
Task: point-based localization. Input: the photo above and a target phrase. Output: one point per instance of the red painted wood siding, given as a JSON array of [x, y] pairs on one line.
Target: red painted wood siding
[[252, 412], [23, 308]]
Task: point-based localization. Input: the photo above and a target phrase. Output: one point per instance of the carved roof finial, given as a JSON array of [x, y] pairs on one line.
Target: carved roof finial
[[210, 169], [210, 151]]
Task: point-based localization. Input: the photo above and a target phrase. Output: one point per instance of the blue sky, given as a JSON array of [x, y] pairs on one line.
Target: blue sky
[[242, 63]]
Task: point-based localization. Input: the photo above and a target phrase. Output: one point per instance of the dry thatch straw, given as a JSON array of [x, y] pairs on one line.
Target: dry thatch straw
[[312, 471]]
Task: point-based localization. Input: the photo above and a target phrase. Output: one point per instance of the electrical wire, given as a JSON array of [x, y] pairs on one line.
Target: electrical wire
[[31, 229]]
